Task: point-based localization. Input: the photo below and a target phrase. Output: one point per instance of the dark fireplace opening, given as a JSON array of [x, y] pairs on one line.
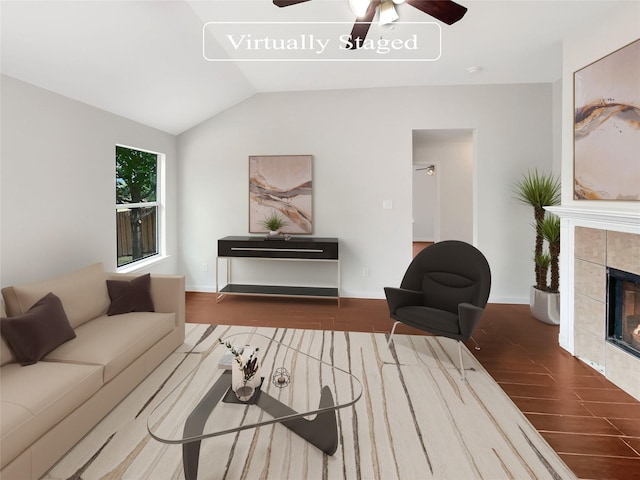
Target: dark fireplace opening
[[623, 310]]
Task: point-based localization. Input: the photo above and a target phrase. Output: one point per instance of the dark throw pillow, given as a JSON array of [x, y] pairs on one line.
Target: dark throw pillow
[[130, 295], [39, 331]]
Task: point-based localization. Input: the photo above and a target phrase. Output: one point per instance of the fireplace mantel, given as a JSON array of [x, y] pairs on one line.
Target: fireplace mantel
[[627, 220]]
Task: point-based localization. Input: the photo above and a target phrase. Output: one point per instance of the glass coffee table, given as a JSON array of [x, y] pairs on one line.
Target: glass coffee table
[[298, 390]]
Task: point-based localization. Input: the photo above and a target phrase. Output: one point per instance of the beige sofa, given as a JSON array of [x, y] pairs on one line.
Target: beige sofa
[[50, 405]]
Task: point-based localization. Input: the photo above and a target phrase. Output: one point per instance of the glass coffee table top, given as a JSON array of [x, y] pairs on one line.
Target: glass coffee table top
[[300, 389]]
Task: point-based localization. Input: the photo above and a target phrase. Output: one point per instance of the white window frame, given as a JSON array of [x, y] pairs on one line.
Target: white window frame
[[161, 235]]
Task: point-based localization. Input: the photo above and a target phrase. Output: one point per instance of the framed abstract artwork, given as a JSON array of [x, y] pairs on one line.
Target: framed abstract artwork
[[607, 127], [281, 186]]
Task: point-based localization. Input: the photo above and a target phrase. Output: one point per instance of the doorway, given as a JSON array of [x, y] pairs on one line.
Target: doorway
[[443, 185]]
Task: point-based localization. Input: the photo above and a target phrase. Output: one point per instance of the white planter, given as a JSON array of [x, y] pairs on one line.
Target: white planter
[[545, 306]]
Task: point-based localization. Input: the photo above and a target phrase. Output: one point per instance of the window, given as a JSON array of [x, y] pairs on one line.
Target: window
[[137, 204]]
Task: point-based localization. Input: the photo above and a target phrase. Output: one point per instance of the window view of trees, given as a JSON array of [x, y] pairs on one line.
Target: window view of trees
[[136, 204]]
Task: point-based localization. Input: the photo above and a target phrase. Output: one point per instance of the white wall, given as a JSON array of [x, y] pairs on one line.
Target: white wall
[[362, 156], [57, 179], [556, 121], [57, 183]]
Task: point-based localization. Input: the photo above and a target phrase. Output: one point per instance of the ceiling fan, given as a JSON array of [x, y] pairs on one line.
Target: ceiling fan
[[444, 10]]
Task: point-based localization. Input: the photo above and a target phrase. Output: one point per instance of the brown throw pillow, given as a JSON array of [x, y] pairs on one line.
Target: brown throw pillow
[[39, 331], [130, 295]]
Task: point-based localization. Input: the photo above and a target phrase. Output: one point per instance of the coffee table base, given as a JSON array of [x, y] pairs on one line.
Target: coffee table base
[[321, 432]]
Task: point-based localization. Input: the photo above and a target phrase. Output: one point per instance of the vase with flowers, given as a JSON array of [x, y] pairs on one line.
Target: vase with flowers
[[245, 371]]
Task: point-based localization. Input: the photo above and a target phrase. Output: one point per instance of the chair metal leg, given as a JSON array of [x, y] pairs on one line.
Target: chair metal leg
[[391, 334], [462, 372], [464, 378]]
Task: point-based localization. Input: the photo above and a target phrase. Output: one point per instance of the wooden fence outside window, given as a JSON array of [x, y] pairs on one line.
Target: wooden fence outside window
[[125, 237]]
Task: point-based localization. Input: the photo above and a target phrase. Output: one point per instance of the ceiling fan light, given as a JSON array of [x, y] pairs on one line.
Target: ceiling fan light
[[388, 13], [359, 7], [398, 2]]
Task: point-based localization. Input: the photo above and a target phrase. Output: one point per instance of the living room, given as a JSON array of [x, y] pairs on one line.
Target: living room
[[206, 170], [58, 158]]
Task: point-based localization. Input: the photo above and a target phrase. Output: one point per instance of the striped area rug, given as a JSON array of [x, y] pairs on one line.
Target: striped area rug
[[416, 420]]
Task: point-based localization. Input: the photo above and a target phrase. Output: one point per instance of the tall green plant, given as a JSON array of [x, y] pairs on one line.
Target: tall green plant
[[538, 190], [550, 229], [543, 262]]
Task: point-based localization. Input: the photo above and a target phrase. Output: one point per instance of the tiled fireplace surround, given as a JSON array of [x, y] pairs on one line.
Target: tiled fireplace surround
[[593, 241]]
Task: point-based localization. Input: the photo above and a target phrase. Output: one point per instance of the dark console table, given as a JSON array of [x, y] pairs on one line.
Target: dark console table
[[305, 249]]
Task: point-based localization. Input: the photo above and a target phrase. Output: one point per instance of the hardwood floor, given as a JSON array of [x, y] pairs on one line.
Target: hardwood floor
[[417, 246], [593, 425]]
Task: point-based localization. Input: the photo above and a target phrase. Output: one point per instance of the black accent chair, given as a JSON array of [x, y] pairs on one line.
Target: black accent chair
[[443, 292]]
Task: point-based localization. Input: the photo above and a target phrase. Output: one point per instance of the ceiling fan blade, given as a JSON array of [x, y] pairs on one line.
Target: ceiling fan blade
[[444, 10], [361, 26], [286, 3]]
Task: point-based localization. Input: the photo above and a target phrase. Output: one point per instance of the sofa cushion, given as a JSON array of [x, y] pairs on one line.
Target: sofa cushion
[[34, 334], [12, 416], [36, 397], [83, 294], [114, 342], [130, 295], [6, 354]]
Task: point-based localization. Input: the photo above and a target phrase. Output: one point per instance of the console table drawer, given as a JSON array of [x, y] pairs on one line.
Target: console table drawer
[[307, 248]]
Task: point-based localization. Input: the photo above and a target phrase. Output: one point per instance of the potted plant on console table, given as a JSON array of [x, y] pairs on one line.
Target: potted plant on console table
[[274, 222], [539, 191]]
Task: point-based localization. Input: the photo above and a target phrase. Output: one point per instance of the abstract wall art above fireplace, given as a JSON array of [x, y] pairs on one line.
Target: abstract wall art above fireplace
[[281, 185], [607, 127]]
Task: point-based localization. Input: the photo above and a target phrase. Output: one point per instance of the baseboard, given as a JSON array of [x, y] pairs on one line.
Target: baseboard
[[509, 300], [200, 288]]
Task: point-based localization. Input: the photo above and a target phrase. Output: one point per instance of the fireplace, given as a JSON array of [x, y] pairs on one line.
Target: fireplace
[[597, 240], [623, 310]]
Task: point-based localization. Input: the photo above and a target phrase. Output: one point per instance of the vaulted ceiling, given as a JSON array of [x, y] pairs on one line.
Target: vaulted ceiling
[[144, 59]]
